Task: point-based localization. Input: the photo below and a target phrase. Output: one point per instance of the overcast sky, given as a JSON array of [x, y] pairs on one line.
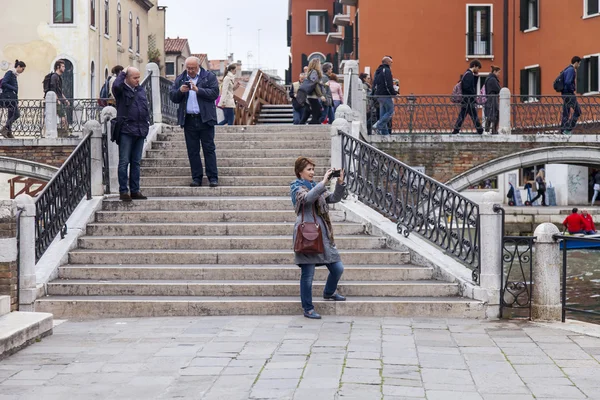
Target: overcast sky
[[204, 24]]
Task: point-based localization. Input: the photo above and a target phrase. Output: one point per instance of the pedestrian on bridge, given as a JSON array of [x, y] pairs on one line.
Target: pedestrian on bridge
[[227, 102], [9, 98], [383, 88], [568, 121], [196, 90], [313, 92], [468, 84], [311, 202], [491, 108], [133, 110], [298, 108]]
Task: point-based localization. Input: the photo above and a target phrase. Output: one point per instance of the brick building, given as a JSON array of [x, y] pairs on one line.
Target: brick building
[[433, 41]]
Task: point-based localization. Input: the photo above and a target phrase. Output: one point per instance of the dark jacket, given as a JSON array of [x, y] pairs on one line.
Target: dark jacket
[[383, 83], [56, 84], [492, 85], [569, 79], [132, 105], [208, 91], [10, 85], [469, 83]]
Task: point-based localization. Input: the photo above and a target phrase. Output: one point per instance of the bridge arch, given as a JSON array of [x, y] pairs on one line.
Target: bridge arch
[[578, 155], [30, 169]]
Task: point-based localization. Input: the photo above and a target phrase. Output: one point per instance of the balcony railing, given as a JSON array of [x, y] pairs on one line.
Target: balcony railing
[[479, 44]]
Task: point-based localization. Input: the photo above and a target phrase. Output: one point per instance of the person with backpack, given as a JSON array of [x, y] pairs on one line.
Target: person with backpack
[[492, 110], [312, 91], [566, 84], [53, 82], [327, 116], [468, 92], [383, 85], [10, 97], [298, 109], [106, 96]]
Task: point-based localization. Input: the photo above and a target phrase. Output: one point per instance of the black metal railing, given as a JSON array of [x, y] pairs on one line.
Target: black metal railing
[[427, 114], [479, 44], [31, 117], [517, 268], [147, 85], [105, 157], [168, 108], [414, 201], [544, 114], [565, 287], [60, 197], [73, 116]]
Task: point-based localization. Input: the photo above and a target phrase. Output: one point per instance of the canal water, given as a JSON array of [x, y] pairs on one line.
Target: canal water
[[583, 283]]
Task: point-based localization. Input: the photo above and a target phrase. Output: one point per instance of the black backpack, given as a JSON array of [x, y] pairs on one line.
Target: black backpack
[[559, 82], [104, 93], [46, 83]]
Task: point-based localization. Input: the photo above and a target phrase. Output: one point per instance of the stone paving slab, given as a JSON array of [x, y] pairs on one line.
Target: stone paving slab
[[290, 357]]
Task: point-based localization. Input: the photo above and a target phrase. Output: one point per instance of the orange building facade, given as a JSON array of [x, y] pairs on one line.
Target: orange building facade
[[432, 42]]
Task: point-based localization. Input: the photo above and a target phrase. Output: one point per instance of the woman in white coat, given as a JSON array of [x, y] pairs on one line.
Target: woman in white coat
[[227, 103]]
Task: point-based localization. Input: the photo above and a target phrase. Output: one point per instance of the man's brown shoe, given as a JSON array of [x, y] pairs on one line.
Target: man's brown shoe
[[125, 197], [138, 196]]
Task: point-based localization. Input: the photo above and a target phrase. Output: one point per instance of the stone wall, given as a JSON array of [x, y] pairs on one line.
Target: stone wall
[[8, 252], [51, 155]]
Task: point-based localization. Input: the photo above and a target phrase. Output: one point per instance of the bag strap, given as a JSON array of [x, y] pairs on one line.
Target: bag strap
[[313, 212]]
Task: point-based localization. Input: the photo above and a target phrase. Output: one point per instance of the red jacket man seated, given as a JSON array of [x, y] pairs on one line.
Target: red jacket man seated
[[574, 222], [588, 223]]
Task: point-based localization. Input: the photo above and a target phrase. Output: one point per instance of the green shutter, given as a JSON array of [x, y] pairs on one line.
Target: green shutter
[[327, 24], [594, 74], [524, 84], [304, 61], [348, 39], [538, 83], [582, 76], [524, 15]]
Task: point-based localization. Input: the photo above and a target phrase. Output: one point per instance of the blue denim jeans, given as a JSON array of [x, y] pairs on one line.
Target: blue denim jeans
[[568, 122], [306, 279], [229, 116], [386, 110], [130, 155], [298, 116]]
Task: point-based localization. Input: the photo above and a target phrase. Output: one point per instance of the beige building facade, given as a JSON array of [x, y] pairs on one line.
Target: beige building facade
[[91, 36]]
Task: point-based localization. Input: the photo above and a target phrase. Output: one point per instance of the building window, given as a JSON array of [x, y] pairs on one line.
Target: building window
[[93, 13], [591, 8], [137, 35], [479, 30], [316, 22], [130, 31], [319, 56], [588, 75], [63, 12], [92, 80], [530, 14], [531, 83], [170, 68], [106, 17], [119, 31]]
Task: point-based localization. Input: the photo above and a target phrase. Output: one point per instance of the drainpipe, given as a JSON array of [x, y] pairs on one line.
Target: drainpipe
[[99, 44], [505, 45]]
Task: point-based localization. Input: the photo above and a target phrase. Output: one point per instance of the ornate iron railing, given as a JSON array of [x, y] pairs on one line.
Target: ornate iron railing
[[31, 117], [543, 114], [565, 287], [62, 194], [72, 116], [427, 114], [414, 201], [105, 159], [168, 108], [147, 85]]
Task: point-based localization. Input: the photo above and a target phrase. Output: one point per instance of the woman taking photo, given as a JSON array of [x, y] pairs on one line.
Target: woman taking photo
[[314, 92], [227, 103], [311, 201], [9, 98]]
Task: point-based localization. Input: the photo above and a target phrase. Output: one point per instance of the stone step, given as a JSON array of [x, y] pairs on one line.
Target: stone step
[[263, 120], [154, 306], [204, 216], [259, 182], [240, 272], [199, 204], [277, 107], [218, 243], [227, 257], [205, 191], [279, 162], [229, 171], [285, 114], [213, 229], [260, 129], [307, 145], [245, 153], [62, 287], [20, 329], [250, 136]]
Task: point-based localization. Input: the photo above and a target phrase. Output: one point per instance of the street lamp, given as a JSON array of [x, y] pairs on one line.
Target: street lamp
[[258, 55]]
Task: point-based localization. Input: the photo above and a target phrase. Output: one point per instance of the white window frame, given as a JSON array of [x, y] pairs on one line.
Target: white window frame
[[119, 25], [529, 98], [585, 14], [324, 33], [317, 53], [106, 22], [174, 69], [65, 25], [535, 28], [470, 56], [95, 26], [597, 91]]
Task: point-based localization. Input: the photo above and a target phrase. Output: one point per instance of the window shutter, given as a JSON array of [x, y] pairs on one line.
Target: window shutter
[[594, 74], [348, 39], [592, 7], [289, 31], [536, 15], [524, 84], [524, 15], [582, 76], [326, 21], [336, 64], [356, 37], [538, 83], [304, 61]]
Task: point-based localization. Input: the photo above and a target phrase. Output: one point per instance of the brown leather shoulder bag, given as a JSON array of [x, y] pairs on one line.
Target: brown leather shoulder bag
[[309, 239]]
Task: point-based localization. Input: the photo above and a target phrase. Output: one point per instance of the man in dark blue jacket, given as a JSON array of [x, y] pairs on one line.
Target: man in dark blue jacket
[[132, 108], [383, 85], [568, 122], [468, 84], [196, 91]]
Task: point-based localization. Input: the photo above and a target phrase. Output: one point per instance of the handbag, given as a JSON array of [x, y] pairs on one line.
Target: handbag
[[309, 238]]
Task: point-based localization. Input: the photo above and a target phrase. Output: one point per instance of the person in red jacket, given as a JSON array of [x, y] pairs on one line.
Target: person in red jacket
[[574, 222], [588, 223]]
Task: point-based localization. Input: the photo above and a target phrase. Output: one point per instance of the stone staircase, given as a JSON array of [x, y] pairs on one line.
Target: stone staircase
[[276, 114], [227, 250]]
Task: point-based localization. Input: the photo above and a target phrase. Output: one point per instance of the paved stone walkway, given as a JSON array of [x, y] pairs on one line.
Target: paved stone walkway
[[291, 357]]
